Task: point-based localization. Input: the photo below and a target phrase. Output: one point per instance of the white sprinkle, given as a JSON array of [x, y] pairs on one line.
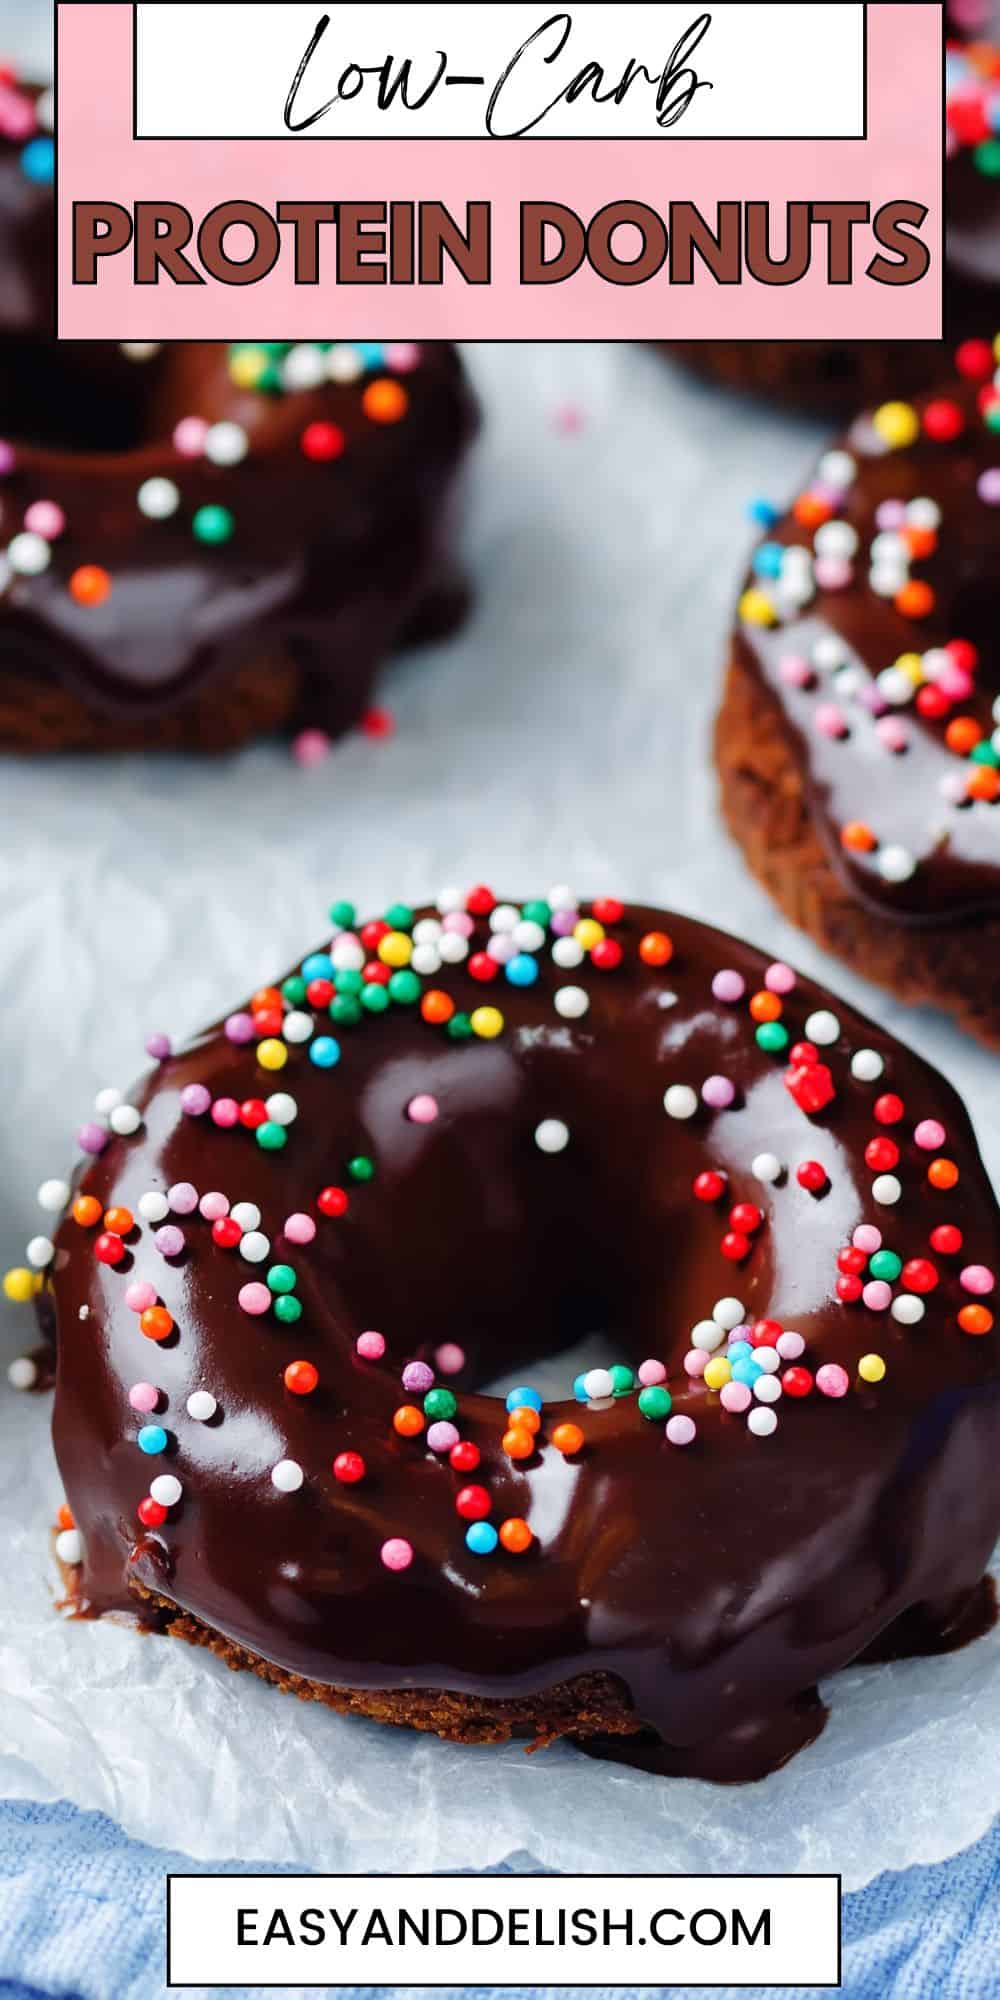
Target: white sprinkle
[[571, 1002], [907, 1309], [867, 1065], [347, 953], [598, 1383], [253, 1246], [895, 687], [822, 1028], [728, 1313], [343, 363], [680, 1101], [551, 1136], [157, 499], [837, 469], [246, 1213], [453, 948], [767, 1388], [297, 1026], [886, 1190], [40, 1251], [762, 1422], [769, 1359], [23, 1373], [766, 1167], [139, 350], [708, 1335], [829, 653], [287, 1475], [153, 1206], [226, 444], [304, 367], [504, 917], [562, 898], [166, 1489], [106, 1101], [201, 1405], [28, 554], [427, 931], [69, 1546], [896, 864], [529, 936], [53, 1196], [450, 900], [125, 1120], [281, 1108], [790, 1344], [426, 960], [923, 513], [567, 953], [45, 111], [836, 538]]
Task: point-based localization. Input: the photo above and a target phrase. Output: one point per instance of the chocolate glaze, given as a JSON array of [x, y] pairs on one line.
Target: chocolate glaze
[[854, 778], [328, 562], [721, 1582]]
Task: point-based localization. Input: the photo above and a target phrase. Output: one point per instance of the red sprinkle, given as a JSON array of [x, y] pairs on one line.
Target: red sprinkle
[[150, 1513], [464, 1456], [473, 1503], [332, 1201], [349, 1467], [888, 1110], [796, 1382], [709, 1186], [811, 1175]]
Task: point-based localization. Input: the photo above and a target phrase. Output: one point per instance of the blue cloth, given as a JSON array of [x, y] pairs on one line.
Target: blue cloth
[[81, 1917]]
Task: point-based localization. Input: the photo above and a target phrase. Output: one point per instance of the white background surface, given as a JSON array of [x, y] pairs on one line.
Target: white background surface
[[563, 736]]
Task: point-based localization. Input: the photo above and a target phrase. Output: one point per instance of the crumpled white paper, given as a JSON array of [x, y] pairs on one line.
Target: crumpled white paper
[[562, 737]]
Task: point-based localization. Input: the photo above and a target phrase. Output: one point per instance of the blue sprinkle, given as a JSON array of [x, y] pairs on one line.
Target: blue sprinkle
[[152, 1438], [372, 352], [38, 161], [739, 1350], [763, 513], [481, 1538], [579, 1389], [319, 965], [748, 1372], [324, 1052], [767, 559], [522, 970], [520, 1399]]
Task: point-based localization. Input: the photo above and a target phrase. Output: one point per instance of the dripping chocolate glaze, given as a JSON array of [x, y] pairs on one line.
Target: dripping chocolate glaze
[[854, 778], [721, 1582]]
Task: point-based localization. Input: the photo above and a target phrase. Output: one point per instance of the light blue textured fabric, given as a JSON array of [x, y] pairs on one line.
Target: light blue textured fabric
[[81, 1917]]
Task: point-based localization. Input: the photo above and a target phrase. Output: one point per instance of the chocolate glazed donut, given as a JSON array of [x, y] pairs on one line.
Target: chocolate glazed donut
[[858, 740], [202, 542], [547, 1122]]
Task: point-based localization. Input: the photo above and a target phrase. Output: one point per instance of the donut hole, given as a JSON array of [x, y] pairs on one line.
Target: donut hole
[[74, 397]]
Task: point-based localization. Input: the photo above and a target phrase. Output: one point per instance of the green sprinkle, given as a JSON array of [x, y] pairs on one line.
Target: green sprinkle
[[375, 999], [361, 1168], [287, 1309], [537, 913], [459, 1027], [772, 1037], [985, 753], [271, 1136], [343, 915], [399, 917], [439, 1403], [294, 990], [213, 524], [622, 1377], [655, 1403], [987, 158], [348, 981], [281, 1278], [404, 988], [345, 1010], [885, 1264]]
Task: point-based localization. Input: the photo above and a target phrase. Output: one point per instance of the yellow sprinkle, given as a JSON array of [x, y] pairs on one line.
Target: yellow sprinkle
[[246, 369], [588, 932], [755, 608], [20, 1284], [897, 424], [717, 1372], [396, 949], [272, 1054], [871, 1368], [487, 1022], [912, 666]]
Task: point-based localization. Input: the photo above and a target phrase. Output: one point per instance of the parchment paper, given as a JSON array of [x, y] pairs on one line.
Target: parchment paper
[[562, 737]]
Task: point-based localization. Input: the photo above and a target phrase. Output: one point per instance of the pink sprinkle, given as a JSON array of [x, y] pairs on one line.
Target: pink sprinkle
[[139, 1295], [890, 514], [867, 1238], [449, 1359], [239, 1028], [795, 671], [183, 1197], [735, 1397], [225, 1112], [563, 922], [718, 1092], [650, 1373], [729, 986], [779, 977], [790, 1345], [310, 747], [695, 1362], [402, 356], [214, 1206], [833, 572], [877, 1296], [397, 1553], [681, 1430], [195, 1099], [189, 437], [8, 457], [954, 681], [370, 1346], [254, 1299], [832, 1380], [144, 1396], [892, 734], [300, 1228], [422, 1110], [930, 1134], [417, 1378], [829, 721], [158, 1046], [460, 921], [44, 518], [977, 1278], [169, 1240], [92, 1138], [441, 1437]]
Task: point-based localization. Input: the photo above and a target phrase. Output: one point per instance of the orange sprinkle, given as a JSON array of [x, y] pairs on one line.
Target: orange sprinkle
[[156, 1323], [385, 401], [656, 948], [975, 1319], [515, 1535], [857, 837], [64, 1518], [265, 998], [963, 734], [90, 584], [119, 1221], [568, 1438], [921, 542], [408, 1420], [517, 1442], [915, 600], [526, 1419], [766, 1006], [942, 1173], [811, 510], [437, 1007], [86, 1211], [983, 783]]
